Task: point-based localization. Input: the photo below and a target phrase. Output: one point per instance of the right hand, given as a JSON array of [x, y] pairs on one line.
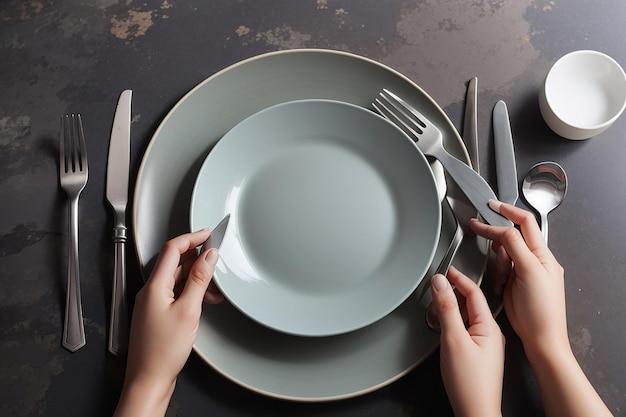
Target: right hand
[[472, 358], [534, 289]]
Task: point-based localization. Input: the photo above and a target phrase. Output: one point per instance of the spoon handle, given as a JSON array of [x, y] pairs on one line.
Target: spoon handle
[[544, 226]]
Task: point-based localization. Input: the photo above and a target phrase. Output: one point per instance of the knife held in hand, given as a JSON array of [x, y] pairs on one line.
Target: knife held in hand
[[217, 235]]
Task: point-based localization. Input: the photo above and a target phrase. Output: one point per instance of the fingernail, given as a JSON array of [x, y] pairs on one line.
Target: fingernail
[[211, 255], [495, 205], [439, 282]]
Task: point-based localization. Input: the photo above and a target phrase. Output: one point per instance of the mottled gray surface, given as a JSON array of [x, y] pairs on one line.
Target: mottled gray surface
[[70, 56]]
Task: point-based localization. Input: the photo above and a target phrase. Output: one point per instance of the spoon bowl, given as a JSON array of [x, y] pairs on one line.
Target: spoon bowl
[[544, 188]]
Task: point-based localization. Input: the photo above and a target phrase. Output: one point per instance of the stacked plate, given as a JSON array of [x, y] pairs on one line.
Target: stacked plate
[[335, 220]]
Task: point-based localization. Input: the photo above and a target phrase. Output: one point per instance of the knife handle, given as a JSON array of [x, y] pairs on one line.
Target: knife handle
[[118, 331]]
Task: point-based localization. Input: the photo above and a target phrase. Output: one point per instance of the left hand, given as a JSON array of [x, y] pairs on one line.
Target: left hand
[[165, 323], [472, 359]]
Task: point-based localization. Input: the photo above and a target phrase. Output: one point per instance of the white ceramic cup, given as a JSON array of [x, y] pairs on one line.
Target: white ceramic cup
[[583, 94]]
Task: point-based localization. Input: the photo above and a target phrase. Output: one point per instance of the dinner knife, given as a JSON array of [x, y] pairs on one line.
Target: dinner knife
[[506, 171], [117, 194], [217, 235], [470, 123]]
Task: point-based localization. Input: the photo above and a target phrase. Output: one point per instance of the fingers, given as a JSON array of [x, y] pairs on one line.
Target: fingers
[[526, 221], [503, 268], [199, 278], [446, 305], [477, 308], [521, 247], [173, 250], [531, 232]]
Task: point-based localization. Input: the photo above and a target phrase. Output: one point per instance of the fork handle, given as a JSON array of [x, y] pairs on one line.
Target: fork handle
[[476, 189], [73, 330], [118, 331]]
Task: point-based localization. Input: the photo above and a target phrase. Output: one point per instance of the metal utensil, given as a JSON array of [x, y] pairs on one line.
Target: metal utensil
[[117, 195], [506, 171], [73, 174], [432, 320], [470, 123], [430, 141], [217, 235], [470, 138], [544, 188]]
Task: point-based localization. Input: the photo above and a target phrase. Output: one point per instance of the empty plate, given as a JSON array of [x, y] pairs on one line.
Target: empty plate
[[334, 216]]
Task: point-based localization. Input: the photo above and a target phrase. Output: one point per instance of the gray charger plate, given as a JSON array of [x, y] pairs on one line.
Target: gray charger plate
[[265, 361]]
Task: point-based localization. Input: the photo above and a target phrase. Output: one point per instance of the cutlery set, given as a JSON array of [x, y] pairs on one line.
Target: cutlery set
[[427, 136], [73, 178]]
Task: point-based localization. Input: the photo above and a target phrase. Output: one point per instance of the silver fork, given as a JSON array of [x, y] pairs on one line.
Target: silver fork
[[73, 177], [430, 141]]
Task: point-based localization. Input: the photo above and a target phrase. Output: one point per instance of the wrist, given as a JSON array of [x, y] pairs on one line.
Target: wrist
[[144, 397], [548, 353], [495, 411]]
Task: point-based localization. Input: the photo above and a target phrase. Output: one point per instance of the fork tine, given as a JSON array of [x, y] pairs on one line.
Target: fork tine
[[73, 154], [73, 144], [403, 106], [81, 151], [394, 108], [62, 139], [402, 122]]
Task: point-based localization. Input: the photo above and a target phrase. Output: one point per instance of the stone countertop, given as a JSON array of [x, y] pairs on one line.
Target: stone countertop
[[60, 57]]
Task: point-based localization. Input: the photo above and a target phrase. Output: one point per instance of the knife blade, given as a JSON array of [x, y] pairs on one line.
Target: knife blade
[[470, 123], [506, 171], [217, 235], [117, 194]]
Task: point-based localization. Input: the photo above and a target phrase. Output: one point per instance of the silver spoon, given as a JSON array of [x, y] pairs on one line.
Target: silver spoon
[[544, 188]]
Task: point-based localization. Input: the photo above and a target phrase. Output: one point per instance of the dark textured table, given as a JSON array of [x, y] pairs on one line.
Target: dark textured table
[[58, 57]]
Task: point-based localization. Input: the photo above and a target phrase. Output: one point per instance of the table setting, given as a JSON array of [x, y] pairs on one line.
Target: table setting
[[336, 182], [320, 359]]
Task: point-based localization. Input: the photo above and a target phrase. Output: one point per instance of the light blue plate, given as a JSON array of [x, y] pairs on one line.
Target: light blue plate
[[335, 216]]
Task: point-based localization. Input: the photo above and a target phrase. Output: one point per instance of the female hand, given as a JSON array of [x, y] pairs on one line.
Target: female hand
[[534, 301], [165, 322], [472, 359], [534, 292]]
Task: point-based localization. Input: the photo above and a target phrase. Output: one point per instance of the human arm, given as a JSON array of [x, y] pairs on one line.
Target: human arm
[[165, 322], [534, 301], [472, 359]]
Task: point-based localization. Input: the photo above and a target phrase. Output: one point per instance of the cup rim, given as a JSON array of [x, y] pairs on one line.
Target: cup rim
[[586, 128]]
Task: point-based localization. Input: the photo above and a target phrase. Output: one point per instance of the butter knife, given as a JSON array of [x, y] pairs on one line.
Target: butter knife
[[217, 235], [506, 171], [117, 194], [470, 123]]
